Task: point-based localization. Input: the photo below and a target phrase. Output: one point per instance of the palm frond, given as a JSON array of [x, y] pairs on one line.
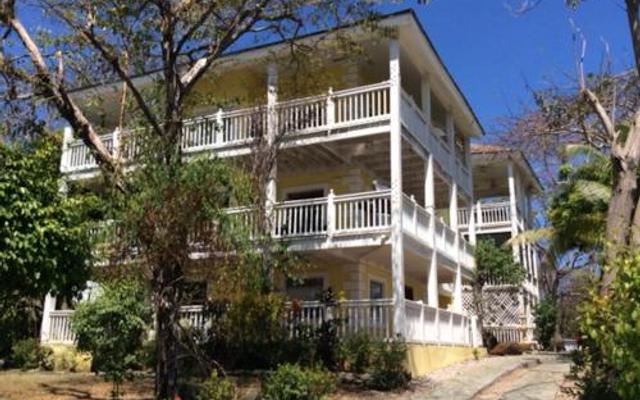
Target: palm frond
[[593, 154], [592, 190], [532, 236]]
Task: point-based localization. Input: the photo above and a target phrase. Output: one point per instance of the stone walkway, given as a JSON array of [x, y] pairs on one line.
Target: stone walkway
[[496, 378], [539, 382]]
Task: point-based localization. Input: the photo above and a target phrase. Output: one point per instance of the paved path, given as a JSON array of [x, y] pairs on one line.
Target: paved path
[[501, 378], [539, 382]]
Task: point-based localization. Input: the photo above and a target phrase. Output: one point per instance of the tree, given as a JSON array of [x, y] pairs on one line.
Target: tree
[[602, 111], [93, 42], [44, 244], [494, 264], [112, 328]]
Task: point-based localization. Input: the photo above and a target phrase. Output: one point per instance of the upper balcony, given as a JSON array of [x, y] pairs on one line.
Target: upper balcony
[[345, 114]]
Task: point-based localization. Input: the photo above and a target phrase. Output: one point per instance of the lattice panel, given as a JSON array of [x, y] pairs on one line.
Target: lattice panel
[[502, 306]]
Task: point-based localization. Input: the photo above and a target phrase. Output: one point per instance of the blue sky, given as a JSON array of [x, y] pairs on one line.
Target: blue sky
[[493, 54]]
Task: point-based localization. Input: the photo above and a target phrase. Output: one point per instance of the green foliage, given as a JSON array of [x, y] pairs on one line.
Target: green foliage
[[388, 366], [578, 207], [496, 263], [217, 388], [611, 356], [44, 244], [112, 328], [29, 354], [292, 382], [356, 353], [17, 321], [248, 332], [545, 316]]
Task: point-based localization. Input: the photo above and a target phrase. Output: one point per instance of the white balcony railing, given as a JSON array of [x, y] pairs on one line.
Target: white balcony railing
[[487, 214], [60, 327], [424, 324], [330, 112], [418, 125], [347, 216]]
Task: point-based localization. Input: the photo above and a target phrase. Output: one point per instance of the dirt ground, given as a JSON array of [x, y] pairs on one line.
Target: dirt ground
[[38, 385]]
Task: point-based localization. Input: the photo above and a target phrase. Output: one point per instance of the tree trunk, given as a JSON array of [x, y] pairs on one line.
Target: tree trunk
[[167, 308], [619, 215]]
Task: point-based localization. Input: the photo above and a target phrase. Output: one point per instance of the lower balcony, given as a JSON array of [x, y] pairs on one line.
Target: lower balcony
[[358, 220], [423, 324], [488, 216]]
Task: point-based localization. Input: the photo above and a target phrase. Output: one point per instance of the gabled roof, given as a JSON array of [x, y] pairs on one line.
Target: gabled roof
[[388, 20]]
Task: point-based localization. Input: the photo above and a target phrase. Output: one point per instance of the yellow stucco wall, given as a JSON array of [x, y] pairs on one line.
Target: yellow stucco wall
[[422, 359]]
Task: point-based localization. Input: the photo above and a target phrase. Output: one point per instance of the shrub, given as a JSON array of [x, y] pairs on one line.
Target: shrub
[[248, 332], [29, 354], [217, 388], [356, 352], [112, 328], [388, 369], [545, 316], [506, 349], [611, 352], [292, 382]]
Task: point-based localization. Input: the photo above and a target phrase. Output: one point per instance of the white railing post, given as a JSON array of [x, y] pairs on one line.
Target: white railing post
[[45, 327], [414, 216], [67, 138], [422, 327], [115, 143], [331, 110], [331, 214], [218, 134]]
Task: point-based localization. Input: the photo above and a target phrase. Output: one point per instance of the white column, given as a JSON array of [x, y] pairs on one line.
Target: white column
[[453, 206], [472, 223], [397, 250], [45, 327], [451, 133], [513, 208], [272, 127], [429, 205], [453, 221], [425, 95]]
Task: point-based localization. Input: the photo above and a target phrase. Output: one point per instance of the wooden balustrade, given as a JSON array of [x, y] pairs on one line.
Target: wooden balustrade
[[331, 111], [487, 214], [425, 324], [60, 327]]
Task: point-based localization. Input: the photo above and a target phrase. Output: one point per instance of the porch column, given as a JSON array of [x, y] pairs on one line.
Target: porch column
[[397, 248], [45, 326], [472, 223], [513, 209], [429, 205], [425, 96], [453, 222], [272, 131]]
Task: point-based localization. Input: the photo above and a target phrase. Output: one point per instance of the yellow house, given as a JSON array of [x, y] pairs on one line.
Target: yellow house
[[371, 175]]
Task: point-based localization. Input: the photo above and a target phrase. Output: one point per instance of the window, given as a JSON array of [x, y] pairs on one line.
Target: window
[[408, 293], [307, 289], [376, 290], [305, 194]]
